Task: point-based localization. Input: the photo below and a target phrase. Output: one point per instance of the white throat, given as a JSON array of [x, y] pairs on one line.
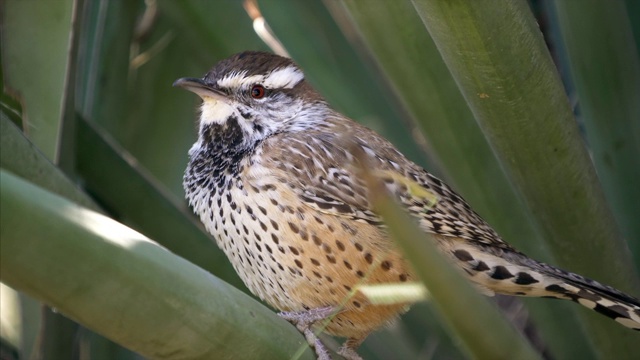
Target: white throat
[[215, 111]]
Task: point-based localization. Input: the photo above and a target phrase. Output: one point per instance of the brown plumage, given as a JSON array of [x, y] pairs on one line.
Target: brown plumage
[[273, 179]]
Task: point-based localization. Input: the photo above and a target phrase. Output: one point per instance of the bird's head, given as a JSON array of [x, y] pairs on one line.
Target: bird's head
[[256, 94]]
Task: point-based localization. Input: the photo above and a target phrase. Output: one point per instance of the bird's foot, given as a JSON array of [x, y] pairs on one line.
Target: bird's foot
[[304, 320], [348, 350], [307, 317], [316, 344]]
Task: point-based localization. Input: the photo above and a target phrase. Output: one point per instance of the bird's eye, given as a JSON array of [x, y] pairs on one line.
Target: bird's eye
[[257, 91]]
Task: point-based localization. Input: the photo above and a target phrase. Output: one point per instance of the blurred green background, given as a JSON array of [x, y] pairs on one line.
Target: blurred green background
[[529, 109]]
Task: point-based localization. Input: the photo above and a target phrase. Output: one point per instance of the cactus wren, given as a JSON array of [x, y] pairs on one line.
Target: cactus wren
[[269, 177]]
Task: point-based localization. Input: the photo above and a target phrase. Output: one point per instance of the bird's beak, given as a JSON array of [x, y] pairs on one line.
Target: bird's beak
[[199, 87]]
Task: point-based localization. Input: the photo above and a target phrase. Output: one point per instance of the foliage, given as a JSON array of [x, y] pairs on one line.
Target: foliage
[[466, 89]]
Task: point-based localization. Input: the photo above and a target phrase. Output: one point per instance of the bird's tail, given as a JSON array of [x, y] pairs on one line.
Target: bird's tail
[[603, 299], [512, 273]]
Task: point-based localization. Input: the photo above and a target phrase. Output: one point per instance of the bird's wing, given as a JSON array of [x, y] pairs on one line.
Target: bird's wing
[[322, 169], [322, 177]]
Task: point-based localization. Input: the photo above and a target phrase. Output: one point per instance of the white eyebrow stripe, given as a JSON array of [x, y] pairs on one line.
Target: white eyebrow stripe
[[283, 78], [232, 79], [236, 80]]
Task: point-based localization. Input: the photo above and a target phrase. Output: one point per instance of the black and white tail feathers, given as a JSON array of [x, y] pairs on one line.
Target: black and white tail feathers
[[603, 299], [508, 272]]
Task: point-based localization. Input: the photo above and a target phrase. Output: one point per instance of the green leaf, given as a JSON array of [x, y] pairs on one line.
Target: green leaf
[[22, 158], [386, 294], [10, 322], [606, 72], [58, 334], [119, 283], [499, 60], [40, 84]]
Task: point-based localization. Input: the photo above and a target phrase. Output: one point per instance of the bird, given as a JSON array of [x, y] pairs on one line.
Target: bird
[[272, 178]]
